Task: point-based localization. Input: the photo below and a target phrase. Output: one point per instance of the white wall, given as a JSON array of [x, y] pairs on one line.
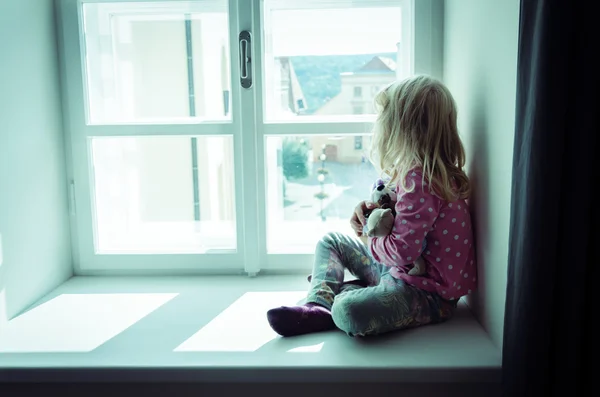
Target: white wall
[[428, 37], [34, 224], [480, 58]]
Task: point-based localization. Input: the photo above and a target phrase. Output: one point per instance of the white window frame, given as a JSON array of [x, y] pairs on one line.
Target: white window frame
[[421, 21]]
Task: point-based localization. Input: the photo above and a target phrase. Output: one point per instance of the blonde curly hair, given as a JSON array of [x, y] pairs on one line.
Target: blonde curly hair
[[416, 128]]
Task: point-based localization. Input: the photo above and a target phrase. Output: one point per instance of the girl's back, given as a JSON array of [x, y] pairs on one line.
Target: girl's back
[[416, 143]]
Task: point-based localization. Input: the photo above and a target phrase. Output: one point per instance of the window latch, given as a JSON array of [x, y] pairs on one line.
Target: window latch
[[245, 39]]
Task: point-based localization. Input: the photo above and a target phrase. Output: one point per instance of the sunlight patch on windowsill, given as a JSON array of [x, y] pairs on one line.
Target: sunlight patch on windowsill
[[77, 322], [242, 327], [307, 349]]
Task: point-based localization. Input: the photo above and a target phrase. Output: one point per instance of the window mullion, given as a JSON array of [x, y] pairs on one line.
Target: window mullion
[[249, 145]]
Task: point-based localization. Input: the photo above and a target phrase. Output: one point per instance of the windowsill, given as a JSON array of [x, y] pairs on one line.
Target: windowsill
[[214, 329]]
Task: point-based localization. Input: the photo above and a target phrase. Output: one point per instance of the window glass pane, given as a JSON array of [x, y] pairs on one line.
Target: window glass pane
[[313, 185], [157, 61], [164, 194], [328, 56]]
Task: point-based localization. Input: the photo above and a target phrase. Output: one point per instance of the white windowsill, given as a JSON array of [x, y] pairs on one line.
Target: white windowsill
[[213, 328]]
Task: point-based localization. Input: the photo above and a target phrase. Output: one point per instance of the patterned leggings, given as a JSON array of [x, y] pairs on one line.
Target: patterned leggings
[[385, 305]]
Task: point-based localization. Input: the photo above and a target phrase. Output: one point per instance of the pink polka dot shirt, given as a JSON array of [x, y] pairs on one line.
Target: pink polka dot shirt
[[446, 228]]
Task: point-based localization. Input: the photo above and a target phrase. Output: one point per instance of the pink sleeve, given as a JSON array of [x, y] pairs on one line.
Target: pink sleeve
[[415, 214]]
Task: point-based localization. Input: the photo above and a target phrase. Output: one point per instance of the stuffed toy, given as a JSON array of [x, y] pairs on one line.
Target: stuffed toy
[[380, 220], [383, 196]]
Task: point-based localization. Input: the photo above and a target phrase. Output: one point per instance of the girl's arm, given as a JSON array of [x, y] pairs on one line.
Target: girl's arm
[[416, 213]]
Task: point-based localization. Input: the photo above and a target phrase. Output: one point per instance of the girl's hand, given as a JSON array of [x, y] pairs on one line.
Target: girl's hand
[[358, 219]]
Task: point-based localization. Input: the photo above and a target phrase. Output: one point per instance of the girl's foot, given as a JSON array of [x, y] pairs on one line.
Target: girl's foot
[[298, 320]]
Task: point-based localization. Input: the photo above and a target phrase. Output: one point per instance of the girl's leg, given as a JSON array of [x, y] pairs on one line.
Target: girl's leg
[[390, 305], [358, 283], [334, 253]]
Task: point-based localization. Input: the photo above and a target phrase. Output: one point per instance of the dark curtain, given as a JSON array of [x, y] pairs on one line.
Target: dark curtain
[[551, 331]]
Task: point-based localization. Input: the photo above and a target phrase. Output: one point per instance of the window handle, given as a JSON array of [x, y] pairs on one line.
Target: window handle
[[245, 39]]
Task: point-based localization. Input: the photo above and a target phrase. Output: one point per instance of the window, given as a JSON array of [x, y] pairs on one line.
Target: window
[[154, 69], [163, 194], [176, 165]]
